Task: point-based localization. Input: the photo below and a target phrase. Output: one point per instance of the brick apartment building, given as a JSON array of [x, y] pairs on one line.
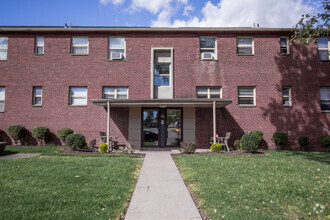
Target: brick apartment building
[[160, 86]]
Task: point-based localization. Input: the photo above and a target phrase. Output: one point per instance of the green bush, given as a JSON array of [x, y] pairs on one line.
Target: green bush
[[250, 141], [76, 141], [17, 133], [280, 138], [188, 148], [103, 148], [216, 147], [325, 140], [63, 133], [303, 141], [236, 144], [41, 133]]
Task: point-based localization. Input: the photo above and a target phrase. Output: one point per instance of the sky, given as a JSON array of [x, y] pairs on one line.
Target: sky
[[156, 13]]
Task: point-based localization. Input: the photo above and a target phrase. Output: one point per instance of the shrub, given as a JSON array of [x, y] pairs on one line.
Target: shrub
[[216, 147], [76, 141], [188, 148], [17, 133], [103, 148], [280, 138], [325, 140], [303, 141], [41, 133], [236, 144], [250, 141], [63, 133]]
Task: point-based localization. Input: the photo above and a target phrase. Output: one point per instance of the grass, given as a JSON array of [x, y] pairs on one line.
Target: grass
[[66, 187], [279, 185], [44, 150]]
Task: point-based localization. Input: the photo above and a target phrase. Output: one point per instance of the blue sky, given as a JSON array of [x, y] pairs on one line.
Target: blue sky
[[218, 13]]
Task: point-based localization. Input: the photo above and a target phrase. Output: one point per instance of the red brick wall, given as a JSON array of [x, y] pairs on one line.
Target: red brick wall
[[56, 70]]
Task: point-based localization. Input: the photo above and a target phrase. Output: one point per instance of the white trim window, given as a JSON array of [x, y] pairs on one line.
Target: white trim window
[[37, 96], [325, 98], [2, 98], [79, 45], [3, 48], [246, 96], [39, 45], [286, 96], [209, 92], [117, 48], [78, 96], [115, 92], [245, 45], [284, 42], [323, 45], [208, 48]]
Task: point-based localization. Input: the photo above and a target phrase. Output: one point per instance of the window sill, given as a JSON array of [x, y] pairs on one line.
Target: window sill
[[325, 111], [287, 106], [36, 105], [79, 54], [245, 54], [208, 59], [247, 106], [77, 105], [286, 55], [324, 60], [123, 60]]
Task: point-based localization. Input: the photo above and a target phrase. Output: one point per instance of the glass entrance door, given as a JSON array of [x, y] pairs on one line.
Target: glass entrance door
[[161, 127]]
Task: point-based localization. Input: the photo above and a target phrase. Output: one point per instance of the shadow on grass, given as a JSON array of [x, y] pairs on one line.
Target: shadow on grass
[[8, 152], [323, 157]]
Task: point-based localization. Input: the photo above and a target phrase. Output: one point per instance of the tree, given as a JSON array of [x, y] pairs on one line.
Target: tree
[[309, 28]]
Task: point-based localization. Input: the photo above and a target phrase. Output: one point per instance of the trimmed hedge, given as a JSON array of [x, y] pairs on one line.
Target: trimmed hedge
[[216, 147], [16, 132], [41, 133], [325, 140], [250, 141], [303, 141], [188, 148], [76, 141], [64, 133], [280, 138], [103, 148]]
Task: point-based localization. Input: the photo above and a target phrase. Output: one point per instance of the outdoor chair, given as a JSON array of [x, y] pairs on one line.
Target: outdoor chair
[[224, 140]]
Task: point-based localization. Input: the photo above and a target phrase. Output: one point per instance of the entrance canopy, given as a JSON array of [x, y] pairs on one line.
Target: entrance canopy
[[162, 103]]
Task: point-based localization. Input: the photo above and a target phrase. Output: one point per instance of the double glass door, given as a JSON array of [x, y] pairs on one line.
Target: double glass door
[[161, 127]]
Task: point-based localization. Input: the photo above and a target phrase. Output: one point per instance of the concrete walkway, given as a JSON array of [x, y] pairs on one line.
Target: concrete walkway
[[16, 156], [160, 192]]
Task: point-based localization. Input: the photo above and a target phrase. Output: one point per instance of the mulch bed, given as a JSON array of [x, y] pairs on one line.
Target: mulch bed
[[95, 152]]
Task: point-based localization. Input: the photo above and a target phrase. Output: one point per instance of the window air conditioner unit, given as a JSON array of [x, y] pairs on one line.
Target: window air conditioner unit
[[207, 56], [116, 56]]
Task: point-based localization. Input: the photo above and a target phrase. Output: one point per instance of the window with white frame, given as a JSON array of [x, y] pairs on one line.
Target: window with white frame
[[39, 45], [37, 95], [247, 96], [208, 48], [245, 45], [115, 92], [284, 42], [209, 92], [325, 98], [323, 45], [117, 48], [3, 48], [78, 96], [79, 45], [2, 99], [286, 96]]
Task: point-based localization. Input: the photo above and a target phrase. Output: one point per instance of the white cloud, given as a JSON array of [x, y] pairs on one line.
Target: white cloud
[[243, 13], [115, 2], [187, 9]]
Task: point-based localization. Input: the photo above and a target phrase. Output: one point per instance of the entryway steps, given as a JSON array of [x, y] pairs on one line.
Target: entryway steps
[[160, 192]]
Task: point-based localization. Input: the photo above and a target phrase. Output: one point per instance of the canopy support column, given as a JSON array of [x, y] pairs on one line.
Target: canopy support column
[[214, 123], [108, 125]]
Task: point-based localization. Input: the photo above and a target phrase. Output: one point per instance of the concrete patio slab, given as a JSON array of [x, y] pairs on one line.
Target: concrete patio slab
[[17, 156], [160, 192]]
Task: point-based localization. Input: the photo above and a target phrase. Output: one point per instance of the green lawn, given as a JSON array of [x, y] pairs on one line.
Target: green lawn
[[279, 185], [66, 187]]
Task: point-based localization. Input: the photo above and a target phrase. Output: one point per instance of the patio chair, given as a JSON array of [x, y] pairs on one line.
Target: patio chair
[[224, 140]]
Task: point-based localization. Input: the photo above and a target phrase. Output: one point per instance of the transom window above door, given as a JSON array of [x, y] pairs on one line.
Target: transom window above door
[[209, 92], [115, 92]]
